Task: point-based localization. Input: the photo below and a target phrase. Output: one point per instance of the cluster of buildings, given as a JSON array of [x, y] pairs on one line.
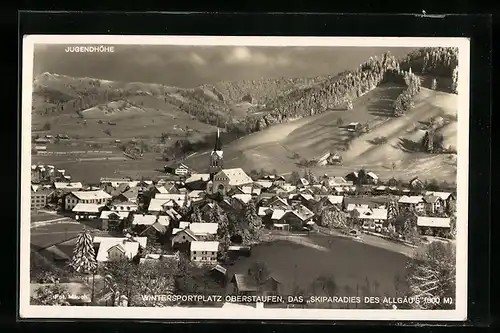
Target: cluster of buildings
[[157, 210]]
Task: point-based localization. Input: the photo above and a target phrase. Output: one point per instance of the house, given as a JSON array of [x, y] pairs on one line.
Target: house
[[178, 198], [371, 178], [41, 140], [157, 189], [392, 182], [243, 198], [196, 195], [85, 211], [131, 195], [204, 252], [352, 177], [413, 202], [112, 220], [433, 204], [182, 236], [219, 274], [125, 207], [278, 203], [416, 185], [86, 197], [296, 218], [332, 201], [143, 219], [226, 179], [323, 159], [252, 190], [371, 219], [114, 182], [179, 169], [380, 190], [352, 127], [68, 186], [264, 183], [302, 183], [433, 225], [203, 229], [156, 231], [197, 181], [248, 285], [116, 248], [446, 197], [301, 198], [39, 197], [184, 224], [263, 211]]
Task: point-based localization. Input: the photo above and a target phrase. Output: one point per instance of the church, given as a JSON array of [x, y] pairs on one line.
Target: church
[[222, 180]]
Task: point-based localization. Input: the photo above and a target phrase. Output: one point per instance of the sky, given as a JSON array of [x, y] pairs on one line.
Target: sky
[[190, 66]]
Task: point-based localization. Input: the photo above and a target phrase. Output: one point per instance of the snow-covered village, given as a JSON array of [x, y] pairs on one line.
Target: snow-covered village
[[268, 193]]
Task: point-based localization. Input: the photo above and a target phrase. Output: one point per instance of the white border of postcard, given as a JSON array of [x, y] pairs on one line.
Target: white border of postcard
[[459, 314]]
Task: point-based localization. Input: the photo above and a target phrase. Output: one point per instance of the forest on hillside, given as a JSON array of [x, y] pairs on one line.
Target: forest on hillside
[[285, 99]]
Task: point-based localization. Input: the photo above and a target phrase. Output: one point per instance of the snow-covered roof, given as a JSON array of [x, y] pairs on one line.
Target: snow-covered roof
[[121, 215], [184, 224], [203, 228], [410, 199], [335, 199], [67, 186], [128, 246], [87, 208], [372, 214], [156, 205], [237, 176], [245, 198], [140, 219], [263, 211], [442, 195], [278, 213], [170, 196], [89, 195], [440, 222], [198, 177], [204, 246]]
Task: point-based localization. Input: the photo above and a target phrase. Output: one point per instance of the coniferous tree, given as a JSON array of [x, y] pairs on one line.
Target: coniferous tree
[[196, 215], [84, 260], [223, 237], [454, 80], [254, 221]]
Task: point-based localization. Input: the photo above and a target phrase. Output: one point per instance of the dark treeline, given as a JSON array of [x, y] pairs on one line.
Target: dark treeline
[[437, 61]]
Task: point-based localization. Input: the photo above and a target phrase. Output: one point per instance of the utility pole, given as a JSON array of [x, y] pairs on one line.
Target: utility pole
[[93, 287]]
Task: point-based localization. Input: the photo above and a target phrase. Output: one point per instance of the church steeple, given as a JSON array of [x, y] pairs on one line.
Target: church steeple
[[216, 157], [218, 145]]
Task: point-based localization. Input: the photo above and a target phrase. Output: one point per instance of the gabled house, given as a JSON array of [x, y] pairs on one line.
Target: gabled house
[[115, 248], [204, 252], [413, 202], [226, 179], [99, 197], [332, 201], [244, 284], [416, 185], [302, 198], [124, 207], [180, 236], [392, 182], [131, 195], [84, 211], [433, 225], [433, 204], [179, 169], [278, 203], [371, 178], [446, 197], [352, 177], [155, 232], [201, 230], [39, 197], [112, 221], [371, 219]]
